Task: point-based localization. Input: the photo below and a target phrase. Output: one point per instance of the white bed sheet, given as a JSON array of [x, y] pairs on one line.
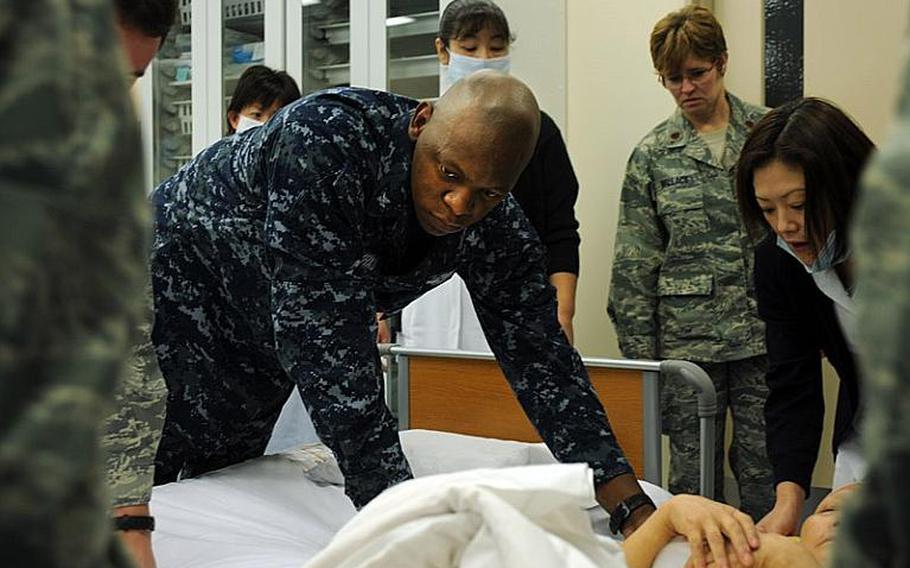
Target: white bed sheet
[[262, 513], [268, 513]]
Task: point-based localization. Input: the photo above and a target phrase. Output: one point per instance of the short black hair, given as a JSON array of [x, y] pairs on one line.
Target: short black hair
[[830, 149], [154, 18], [466, 17], [265, 86]]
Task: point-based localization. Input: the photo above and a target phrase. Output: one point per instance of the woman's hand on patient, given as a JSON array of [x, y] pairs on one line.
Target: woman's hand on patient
[[784, 517], [713, 530]]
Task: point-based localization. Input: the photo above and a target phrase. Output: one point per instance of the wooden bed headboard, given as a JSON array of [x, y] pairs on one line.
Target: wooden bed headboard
[[471, 396]]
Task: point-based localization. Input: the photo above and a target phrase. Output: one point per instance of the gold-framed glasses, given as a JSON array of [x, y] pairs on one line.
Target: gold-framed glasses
[[696, 76]]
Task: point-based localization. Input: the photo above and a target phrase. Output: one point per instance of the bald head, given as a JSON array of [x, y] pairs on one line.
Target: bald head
[[471, 147], [501, 109]]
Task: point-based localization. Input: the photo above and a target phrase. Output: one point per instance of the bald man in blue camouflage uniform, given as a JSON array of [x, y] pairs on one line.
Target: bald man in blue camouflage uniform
[[275, 248]]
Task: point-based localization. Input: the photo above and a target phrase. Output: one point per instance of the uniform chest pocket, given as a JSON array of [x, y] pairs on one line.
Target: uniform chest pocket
[[681, 208], [685, 285], [679, 194]]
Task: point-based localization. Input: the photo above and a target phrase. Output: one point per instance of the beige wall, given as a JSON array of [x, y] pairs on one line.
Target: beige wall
[[852, 56], [613, 100], [539, 52]]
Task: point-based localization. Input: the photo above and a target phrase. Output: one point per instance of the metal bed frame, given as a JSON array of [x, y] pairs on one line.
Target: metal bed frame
[[398, 382]]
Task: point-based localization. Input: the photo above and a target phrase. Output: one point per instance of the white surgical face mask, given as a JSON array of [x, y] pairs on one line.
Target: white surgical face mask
[[460, 66], [825, 260], [245, 123]]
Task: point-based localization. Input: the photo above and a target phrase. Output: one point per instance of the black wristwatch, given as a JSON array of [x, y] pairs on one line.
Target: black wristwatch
[[134, 523], [622, 512]]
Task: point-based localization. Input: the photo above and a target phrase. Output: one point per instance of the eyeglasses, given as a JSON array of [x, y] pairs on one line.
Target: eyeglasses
[[697, 76]]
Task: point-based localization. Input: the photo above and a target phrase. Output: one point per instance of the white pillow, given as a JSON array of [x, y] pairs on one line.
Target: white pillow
[[430, 452]]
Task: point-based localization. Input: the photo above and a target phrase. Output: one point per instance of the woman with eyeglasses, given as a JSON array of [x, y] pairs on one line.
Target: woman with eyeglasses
[[682, 267]]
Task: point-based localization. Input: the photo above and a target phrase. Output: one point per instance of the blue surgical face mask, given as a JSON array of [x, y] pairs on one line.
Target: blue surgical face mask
[[460, 66], [824, 260]]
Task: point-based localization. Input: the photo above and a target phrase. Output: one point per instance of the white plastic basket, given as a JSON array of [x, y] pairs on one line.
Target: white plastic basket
[[186, 12], [232, 9], [243, 8], [185, 115]]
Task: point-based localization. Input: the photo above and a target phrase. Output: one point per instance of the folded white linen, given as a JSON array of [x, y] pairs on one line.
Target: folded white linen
[[520, 517]]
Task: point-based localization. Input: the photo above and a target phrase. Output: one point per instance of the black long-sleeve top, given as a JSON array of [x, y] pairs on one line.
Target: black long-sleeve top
[[547, 190], [801, 326]]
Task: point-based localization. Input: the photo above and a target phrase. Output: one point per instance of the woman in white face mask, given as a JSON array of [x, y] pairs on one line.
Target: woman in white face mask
[[260, 93], [474, 35], [796, 181]]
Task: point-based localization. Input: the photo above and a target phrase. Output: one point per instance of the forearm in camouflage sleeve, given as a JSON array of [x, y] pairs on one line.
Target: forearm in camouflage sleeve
[[72, 236], [133, 429]]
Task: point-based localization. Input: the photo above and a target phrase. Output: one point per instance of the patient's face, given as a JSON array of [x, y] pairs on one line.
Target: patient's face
[[817, 533]]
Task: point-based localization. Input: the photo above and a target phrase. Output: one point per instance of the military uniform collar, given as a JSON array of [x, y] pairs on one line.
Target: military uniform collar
[[392, 197], [681, 133]]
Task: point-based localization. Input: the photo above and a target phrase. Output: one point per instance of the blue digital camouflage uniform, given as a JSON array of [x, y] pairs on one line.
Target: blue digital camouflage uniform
[[73, 243], [875, 527], [274, 249], [682, 288]]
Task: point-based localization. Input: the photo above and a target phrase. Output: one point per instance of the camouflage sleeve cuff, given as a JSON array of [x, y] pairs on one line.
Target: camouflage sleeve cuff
[[132, 433], [638, 346]]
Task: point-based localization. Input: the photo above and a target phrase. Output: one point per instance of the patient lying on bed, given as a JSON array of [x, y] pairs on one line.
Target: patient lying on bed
[[282, 510], [811, 548], [534, 516]]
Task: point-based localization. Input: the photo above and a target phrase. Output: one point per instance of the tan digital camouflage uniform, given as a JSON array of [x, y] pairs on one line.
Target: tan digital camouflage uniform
[[133, 430], [874, 531], [72, 244], [682, 289]]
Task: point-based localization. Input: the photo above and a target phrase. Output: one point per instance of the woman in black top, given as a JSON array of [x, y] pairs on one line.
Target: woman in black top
[[474, 35], [797, 176]]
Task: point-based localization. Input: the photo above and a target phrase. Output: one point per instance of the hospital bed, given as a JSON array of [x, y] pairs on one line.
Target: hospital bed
[[466, 392], [456, 412]]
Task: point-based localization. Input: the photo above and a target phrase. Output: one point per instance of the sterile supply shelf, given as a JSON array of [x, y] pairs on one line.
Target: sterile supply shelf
[[402, 68], [426, 23]]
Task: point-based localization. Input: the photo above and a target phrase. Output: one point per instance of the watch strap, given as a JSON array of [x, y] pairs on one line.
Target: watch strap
[[134, 523], [624, 509]]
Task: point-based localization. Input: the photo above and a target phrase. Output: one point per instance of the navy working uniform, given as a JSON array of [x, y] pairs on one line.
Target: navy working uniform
[[274, 249]]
